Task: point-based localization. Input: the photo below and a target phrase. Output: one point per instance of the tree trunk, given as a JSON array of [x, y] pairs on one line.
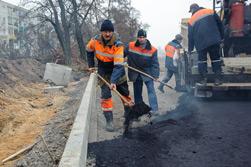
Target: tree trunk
[[78, 32], [67, 43], [63, 35]]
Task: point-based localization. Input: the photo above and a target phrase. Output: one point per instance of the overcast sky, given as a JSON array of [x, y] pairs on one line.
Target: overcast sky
[[164, 16]]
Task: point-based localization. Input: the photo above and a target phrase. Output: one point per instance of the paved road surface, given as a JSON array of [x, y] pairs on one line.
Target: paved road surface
[[189, 133], [197, 133]]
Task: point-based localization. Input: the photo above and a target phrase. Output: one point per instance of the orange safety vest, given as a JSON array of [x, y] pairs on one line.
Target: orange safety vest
[[109, 53], [170, 50], [140, 51]]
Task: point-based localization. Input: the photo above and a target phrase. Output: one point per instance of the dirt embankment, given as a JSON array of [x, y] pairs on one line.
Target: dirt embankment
[[25, 112]]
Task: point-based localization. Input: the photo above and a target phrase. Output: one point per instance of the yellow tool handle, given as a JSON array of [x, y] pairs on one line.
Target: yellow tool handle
[[107, 83]]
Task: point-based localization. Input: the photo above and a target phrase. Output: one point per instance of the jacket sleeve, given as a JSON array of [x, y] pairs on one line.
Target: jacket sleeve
[[126, 50], [155, 65], [220, 25], [90, 53], [118, 69], [190, 38]]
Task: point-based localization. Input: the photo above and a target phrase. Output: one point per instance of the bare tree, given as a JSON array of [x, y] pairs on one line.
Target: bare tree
[[63, 35], [78, 32], [86, 17], [53, 12]]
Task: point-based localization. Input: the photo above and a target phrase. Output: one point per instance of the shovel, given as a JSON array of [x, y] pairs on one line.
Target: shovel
[[147, 75], [136, 111], [113, 88]]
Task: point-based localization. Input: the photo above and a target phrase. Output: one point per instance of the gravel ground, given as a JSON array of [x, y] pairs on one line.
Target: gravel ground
[[26, 112], [189, 132], [56, 131]]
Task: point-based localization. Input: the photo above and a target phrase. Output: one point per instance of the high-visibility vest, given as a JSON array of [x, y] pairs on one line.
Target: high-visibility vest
[[140, 51], [170, 49], [111, 53]]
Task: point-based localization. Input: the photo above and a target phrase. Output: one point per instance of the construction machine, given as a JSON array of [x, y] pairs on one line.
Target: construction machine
[[235, 52]]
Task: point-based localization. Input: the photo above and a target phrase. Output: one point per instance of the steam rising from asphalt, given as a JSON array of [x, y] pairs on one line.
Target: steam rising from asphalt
[[188, 104], [184, 109]]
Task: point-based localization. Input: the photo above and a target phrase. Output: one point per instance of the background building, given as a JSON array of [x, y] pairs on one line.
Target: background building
[[12, 25]]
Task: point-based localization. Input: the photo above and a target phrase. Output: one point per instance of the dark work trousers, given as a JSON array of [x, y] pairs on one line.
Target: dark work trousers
[[106, 101], [214, 52], [169, 75], [122, 89]]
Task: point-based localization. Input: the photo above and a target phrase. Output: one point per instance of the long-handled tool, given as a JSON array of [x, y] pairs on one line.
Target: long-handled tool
[[147, 75], [136, 111], [107, 83]]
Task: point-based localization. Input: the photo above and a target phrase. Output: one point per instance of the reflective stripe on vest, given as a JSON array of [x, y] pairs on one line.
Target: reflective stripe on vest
[[200, 15], [89, 49], [140, 51], [107, 54], [170, 50]]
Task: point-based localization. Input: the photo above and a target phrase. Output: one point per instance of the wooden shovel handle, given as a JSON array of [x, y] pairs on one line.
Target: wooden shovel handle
[[107, 83], [146, 75]]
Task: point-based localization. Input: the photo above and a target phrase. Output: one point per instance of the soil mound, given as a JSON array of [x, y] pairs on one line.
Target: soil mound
[[25, 110]]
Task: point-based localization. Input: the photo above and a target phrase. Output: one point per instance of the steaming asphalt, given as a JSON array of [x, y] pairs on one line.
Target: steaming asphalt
[[203, 133]]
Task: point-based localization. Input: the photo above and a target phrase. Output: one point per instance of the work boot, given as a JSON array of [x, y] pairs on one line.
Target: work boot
[[203, 81], [160, 87], [217, 79], [109, 121], [154, 113], [127, 111]]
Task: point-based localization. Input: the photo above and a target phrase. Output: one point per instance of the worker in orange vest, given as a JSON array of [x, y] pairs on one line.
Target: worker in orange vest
[[108, 49], [172, 55]]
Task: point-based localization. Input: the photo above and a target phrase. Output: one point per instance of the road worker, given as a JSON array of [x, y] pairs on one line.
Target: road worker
[[142, 56], [172, 48], [109, 52], [205, 32]]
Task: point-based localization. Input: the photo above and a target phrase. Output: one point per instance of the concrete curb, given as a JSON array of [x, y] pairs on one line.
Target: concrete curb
[[53, 89], [75, 152]]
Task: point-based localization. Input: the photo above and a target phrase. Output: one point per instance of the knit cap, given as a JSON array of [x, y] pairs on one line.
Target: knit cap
[[178, 37], [107, 25], [141, 32]]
